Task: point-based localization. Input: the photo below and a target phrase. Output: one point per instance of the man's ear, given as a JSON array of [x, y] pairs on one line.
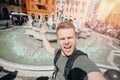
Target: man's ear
[[75, 36], [57, 42]]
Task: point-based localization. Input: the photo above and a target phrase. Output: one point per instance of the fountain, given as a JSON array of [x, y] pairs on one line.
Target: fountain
[[33, 29], [26, 50]]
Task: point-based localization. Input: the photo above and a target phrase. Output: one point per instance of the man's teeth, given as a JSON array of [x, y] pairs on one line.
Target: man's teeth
[[67, 47]]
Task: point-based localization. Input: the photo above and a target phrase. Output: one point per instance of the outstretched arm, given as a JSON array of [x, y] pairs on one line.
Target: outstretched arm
[[95, 76], [46, 43]]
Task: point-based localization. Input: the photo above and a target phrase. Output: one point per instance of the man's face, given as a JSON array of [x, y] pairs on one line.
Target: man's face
[[67, 40]]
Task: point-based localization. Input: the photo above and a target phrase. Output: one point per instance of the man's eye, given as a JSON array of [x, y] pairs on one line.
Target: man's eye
[[61, 38], [69, 37]]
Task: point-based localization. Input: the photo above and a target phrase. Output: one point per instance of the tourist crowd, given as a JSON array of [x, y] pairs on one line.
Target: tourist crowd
[[100, 27]]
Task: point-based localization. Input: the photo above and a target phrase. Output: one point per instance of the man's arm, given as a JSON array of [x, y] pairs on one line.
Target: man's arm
[[95, 76], [46, 43]]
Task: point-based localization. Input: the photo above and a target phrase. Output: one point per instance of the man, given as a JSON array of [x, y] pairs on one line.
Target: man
[[83, 68]]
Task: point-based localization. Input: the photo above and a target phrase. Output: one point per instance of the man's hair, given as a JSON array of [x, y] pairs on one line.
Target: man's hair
[[65, 25]]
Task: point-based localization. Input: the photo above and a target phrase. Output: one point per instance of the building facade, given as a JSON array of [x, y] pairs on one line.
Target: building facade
[[114, 16], [107, 11], [8, 6], [39, 8], [76, 10]]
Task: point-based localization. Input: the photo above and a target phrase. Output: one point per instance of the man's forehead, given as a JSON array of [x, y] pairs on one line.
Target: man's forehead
[[66, 31]]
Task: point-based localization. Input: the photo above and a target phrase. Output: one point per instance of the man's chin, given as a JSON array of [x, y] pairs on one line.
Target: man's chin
[[68, 53]]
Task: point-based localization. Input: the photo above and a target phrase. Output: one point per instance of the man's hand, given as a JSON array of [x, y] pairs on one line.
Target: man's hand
[[42, 29], [46, 43]]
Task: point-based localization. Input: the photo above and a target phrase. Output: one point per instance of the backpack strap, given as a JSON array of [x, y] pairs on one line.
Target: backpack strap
[[70, 62], [55, 61]]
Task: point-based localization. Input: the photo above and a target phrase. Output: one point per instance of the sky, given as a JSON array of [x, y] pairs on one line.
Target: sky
[[91, 8]]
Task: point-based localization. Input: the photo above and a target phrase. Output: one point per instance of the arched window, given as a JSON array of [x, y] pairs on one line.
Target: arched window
[[33, 16], [38, 16], [83, 4], [17, 2], [46, 17], [66, 9], [52, 17], [5, 13], [46, 1], [53, 2], [12, 2], [68, 1], [76, 10]]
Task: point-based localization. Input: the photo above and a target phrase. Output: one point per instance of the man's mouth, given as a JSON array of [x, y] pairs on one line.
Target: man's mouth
[[67, 48]]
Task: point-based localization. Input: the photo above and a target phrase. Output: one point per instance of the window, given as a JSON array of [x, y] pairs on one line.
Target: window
[[32, 6], [66, 9], [77, 3], [24, 5], [76, 10], [33, 16], [4, 1], [68, 2], [46, 17], [39, 1], [17, 3], [18, 10], [70, 9], [11, 2], [46, 1], [53, 2], [39, 16], [52, 9]]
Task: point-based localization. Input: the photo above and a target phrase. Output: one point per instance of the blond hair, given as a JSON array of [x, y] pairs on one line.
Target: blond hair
[[65, 25]]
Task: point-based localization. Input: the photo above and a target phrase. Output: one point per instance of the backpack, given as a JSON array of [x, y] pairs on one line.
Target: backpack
[[69, 62]]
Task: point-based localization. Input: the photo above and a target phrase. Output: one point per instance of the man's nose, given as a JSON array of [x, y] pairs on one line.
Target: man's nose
[[66, 41]]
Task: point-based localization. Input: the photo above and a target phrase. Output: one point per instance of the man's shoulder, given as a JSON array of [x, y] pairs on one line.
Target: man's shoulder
[[80, 52], [82, 61], [56, 50], [85, 63], [82, 58]]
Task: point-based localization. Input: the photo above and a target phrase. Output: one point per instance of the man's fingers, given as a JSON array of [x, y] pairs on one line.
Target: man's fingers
[[40, 26]]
